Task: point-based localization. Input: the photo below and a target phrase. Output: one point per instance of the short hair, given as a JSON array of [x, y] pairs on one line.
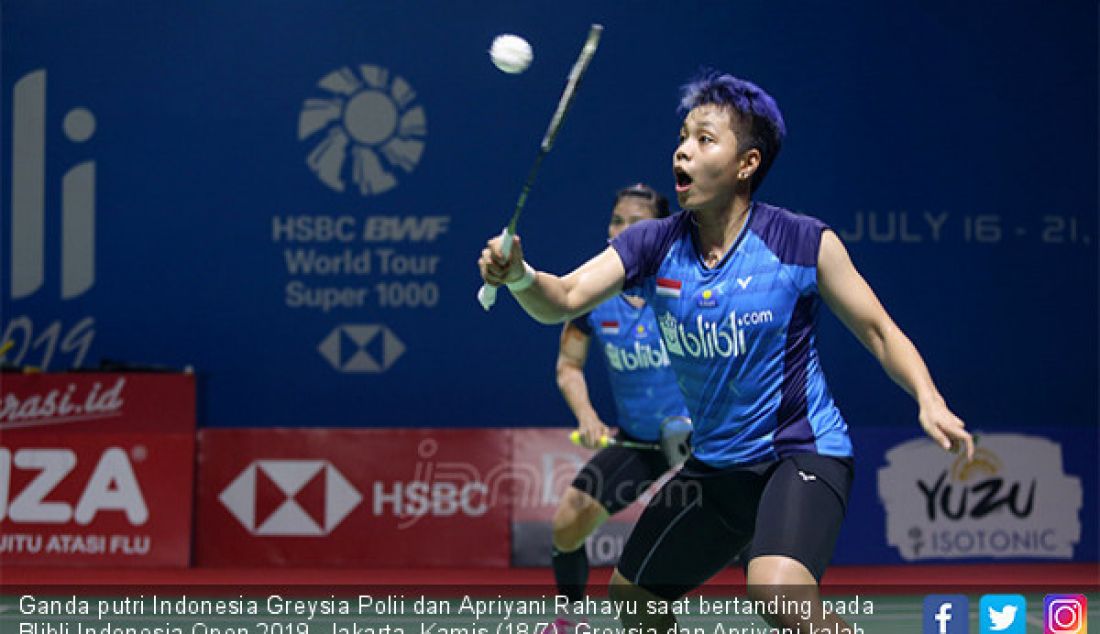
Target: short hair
[[758, 124], [648, 194]]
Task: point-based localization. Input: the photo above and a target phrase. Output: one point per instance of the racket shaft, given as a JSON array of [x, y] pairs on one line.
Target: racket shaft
[[487, 295], [607, 441], [630, 444]]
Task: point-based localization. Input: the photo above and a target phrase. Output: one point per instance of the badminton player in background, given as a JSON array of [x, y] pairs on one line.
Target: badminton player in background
[[735, 285], [645, 393]]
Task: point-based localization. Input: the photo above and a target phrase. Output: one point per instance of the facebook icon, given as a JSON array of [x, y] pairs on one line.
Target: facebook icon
[[946, 614]]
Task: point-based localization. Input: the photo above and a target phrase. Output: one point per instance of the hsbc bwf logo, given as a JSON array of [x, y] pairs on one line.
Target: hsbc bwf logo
[[28, 195], [290, 497]]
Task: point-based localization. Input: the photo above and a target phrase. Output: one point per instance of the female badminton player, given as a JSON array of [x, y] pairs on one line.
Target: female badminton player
[[645, 393], [735, 284]]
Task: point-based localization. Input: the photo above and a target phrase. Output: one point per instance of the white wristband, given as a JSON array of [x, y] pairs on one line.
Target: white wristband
[[524, 282]]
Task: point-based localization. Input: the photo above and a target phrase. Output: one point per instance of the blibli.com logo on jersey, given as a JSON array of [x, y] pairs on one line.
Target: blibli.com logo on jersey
[[641, 357], [708, 339]]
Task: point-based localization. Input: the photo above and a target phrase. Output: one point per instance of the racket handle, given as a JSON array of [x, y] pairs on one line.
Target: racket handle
[[575, 438], [506, 238], [487, 295]]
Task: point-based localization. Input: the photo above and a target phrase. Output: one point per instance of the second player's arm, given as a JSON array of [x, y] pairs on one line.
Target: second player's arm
[[850, 297], [572, 353]]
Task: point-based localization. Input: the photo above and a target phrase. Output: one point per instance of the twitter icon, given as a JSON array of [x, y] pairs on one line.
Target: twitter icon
[[1002, 613]]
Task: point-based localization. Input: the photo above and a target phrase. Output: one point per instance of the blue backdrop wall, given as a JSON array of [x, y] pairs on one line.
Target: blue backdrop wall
[[290, 196]]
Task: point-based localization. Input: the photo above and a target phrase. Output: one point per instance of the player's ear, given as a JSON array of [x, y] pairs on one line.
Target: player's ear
[[748, 163]]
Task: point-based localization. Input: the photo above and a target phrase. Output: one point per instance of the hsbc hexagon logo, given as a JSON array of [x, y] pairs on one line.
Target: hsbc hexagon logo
[[361, 348], [290, 497]]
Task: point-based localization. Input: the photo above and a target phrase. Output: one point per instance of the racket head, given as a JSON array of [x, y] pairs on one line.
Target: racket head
[[676, 439]]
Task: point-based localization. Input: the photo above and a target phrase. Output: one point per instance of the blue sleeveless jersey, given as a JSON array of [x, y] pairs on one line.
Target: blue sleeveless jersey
[[644, 385], [741, 336]]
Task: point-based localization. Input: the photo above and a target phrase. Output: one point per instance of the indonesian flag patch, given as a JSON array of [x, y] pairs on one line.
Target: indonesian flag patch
[[667, 287]]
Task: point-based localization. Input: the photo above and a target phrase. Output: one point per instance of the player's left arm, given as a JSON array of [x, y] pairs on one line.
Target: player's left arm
[[851, 299]]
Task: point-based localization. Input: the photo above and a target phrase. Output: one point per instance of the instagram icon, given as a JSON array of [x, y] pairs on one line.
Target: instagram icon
[[1065, 614]]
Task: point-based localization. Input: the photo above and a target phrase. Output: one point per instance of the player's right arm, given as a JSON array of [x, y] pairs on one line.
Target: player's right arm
[[572, 353], [551, 299]]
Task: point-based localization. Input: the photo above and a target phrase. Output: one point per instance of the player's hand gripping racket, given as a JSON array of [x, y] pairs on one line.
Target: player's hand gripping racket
[[675, 440], [487, 295]]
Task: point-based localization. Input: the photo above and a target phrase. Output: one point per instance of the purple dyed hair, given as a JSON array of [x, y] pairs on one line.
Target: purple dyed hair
[[760, 122]]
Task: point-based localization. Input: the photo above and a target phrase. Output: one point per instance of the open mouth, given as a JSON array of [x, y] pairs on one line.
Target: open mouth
[[683, 179]]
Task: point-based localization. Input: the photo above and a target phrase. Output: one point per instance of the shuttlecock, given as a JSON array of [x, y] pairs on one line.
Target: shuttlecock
[[511, 53]]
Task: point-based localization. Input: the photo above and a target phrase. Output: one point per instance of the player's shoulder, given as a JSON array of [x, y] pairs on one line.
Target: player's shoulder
[[661, 228], [766, 215], [645, 240], [654, 235], [645, 244], [793, 237]]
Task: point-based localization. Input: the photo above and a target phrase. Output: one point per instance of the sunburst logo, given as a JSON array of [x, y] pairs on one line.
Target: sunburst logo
[[369, 115]]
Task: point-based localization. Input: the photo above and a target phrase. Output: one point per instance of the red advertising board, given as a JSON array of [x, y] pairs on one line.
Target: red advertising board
[[96, 469], [377, 498], [544, 463]]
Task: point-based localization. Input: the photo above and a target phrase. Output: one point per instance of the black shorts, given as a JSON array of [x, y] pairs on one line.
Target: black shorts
[[616, 476], [704, 517]]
